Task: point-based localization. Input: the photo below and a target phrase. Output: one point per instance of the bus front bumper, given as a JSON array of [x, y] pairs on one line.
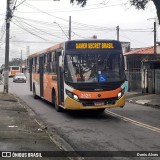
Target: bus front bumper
[[71, 104]]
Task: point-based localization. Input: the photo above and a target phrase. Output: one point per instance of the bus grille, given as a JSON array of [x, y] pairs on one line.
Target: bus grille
[[93, 102]]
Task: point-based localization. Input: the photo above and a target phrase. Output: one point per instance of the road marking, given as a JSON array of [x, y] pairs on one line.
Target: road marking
[[134, 122], [12, 126]]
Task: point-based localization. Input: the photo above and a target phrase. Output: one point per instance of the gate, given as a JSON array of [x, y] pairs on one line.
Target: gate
[[157, 81], [134, 80], [151, 81]]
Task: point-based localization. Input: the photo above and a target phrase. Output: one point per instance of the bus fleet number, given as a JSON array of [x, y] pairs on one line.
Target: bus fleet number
[[85, 95]]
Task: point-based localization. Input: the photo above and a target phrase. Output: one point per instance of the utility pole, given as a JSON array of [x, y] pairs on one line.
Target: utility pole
[[6, 73], [117, 28], [69, 28], [155, 39]]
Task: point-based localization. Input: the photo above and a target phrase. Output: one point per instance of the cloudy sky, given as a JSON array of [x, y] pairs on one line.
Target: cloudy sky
[[37, 24]]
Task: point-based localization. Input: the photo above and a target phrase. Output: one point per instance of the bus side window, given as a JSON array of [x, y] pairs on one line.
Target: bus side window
[[48, 62], [53, 57], [37, 65], [34, 65], [49, 57], [53, 62], [53, 67], [45, 63], [48, 69]]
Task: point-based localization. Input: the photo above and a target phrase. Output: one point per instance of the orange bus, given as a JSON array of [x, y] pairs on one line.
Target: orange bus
[[79, 75], [13, 70]]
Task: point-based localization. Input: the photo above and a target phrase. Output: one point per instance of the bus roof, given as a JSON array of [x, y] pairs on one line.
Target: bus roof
[[50, 49], [72, 45]]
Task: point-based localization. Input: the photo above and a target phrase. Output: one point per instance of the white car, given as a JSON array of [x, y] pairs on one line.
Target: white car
[[19, 77]]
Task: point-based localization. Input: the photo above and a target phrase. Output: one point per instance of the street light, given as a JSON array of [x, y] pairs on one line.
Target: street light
[[61, 29]]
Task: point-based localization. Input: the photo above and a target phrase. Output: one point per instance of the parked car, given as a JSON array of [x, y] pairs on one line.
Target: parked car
[[19, 77]]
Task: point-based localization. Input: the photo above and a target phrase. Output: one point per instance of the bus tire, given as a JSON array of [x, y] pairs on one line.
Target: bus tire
[[34, 92], [54, 101]]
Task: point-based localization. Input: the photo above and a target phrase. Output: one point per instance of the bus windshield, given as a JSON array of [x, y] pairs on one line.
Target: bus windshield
[[94, 66]]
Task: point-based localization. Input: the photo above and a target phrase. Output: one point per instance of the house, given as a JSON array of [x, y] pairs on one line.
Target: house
[[135, 58], [140, 77]]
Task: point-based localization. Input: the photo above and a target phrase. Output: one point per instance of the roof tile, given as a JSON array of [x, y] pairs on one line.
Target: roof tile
[[148, 50]]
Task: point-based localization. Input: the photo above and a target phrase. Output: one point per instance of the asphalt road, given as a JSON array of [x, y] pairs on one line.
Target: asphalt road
[[132, 128]]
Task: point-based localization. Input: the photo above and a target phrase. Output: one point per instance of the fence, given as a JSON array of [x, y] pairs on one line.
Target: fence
[[134, 80], [147, 81], [157, 80]]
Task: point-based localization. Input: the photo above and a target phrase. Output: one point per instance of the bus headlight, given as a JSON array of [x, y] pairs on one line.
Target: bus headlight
[[72, 95], [120, 94], [75, 97]]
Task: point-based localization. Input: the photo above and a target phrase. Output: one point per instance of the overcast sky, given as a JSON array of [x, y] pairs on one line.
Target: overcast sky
[[43, 23]]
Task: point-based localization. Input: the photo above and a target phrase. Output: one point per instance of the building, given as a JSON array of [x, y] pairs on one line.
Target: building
[[135, 58], [143, 69]]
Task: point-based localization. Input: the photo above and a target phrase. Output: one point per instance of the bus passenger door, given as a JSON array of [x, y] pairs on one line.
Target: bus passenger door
[[60, 79], [41, 72], [30, 72]]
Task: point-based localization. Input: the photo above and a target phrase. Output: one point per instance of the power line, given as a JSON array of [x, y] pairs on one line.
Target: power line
[[87, 26], [39, 30], [133, 40], [22, 27], [80, 10], [35, 8], [15, 6], [16, 41], [3, 31]]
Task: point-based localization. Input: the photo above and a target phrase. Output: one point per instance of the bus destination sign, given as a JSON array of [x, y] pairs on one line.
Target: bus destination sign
[[92, 45]]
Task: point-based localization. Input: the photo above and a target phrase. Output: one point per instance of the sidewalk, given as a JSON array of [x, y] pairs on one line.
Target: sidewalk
[[21, 130], [143, 99]]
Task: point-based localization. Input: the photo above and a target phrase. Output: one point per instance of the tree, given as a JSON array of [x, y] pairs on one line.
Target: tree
[[82, 2], [139, 4], [15, 62]]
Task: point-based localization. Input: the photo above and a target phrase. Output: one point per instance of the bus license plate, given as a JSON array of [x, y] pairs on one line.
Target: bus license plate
[[98, 103]]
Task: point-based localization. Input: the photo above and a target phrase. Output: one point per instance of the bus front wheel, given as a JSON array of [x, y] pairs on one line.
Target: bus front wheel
[[34, 93], [58, 109]]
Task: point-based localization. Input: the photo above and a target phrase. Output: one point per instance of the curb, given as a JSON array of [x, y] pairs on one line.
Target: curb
[[128, 96], [144, 104]]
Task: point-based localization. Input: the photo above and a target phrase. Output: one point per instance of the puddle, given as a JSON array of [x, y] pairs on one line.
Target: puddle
[[144, 101], [12, 126]]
